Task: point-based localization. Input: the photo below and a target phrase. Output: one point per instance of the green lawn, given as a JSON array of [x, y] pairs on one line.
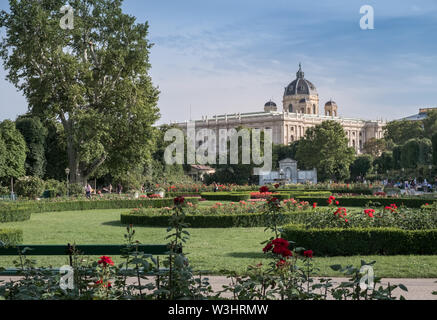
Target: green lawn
[[208, 249]]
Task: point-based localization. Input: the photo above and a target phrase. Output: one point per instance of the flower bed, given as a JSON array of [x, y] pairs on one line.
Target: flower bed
[[11, 237], [390, 216], [363, 201]]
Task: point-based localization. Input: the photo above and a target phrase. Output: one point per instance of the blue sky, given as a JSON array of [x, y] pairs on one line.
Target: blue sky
[[228, 56]]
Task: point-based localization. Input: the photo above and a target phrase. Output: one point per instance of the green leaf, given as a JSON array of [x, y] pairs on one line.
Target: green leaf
[[336, 267], [403, 287]]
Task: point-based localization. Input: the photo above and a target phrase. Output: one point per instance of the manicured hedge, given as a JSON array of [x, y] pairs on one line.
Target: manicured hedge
[[318, 194], [11, 237], [226, 196], [37, 207], [182, 194], [363, 241], [362, 201], [12, 215], [244, 196], [205, 221], [353, 191]]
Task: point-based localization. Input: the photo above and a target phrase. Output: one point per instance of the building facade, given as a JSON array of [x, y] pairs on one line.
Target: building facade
[[300, 111]]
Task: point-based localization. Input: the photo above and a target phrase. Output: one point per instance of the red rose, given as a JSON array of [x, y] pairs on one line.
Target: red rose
[[280, 247], [277, 185], [105, 261], [268, 247], [108, 285], [308, 253], [264, 189], [281, 264], [179, 201], [314, 205]]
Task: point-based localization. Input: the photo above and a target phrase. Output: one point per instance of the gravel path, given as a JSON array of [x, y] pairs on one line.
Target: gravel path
[[418, 289]]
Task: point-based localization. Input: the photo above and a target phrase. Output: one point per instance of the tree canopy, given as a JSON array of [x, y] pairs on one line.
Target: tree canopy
[[325, 147], [15, 150], [362, 166], [375, 147], [93, 79], [399, 132], [34, 134]]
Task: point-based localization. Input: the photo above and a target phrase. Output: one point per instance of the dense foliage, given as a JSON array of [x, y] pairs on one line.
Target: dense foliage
[[34, 134], [93, 78], [325, 147]]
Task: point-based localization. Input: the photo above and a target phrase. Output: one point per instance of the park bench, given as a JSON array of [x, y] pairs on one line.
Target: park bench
[[67, 250]]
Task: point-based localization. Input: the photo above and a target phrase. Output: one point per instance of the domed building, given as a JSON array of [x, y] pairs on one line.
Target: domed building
[[301, 96], [300, 111], [270, 106], [331, 109]]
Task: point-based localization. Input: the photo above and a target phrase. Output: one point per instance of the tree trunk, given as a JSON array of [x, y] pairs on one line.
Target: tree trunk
[[78, 174], [72, 154]]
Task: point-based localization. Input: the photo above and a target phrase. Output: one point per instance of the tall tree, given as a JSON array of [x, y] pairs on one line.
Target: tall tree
[[399, 132], [416, 152], [384, 162], [430, 123], [55, 151], [2, 158], [325, 147], [34, 134], [15, 150], [434, 149], [362, 166], [375, 147], [93, 79]]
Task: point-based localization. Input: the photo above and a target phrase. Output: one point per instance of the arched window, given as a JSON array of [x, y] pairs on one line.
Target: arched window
[[314, 109], [292, 138], [290, 108]]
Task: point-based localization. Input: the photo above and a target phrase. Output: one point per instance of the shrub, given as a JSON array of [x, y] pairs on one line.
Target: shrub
[[75, 189], [30, 187], [363, 241], [11, 237], [13, 215], [4, 191], [56, 188]]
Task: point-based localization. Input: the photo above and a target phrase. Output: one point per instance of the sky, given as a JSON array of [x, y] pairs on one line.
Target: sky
[[228, 56]]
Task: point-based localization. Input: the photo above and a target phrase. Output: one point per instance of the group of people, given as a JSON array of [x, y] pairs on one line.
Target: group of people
[[413, 185], [89, 190]]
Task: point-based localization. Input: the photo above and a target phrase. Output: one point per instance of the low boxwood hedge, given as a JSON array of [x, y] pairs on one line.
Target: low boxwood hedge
[[226, 196], [362, 241], [363, 201], [182, 194], [244, 196], [78, 205], [11, 237], [352, 191], [13, 215], [206, 221]]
